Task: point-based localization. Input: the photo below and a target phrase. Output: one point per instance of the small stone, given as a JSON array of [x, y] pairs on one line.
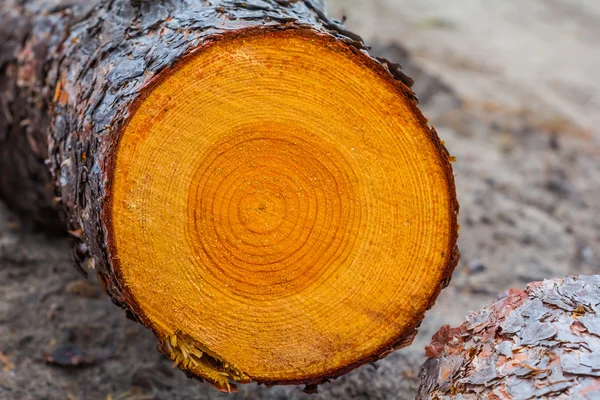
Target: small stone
[[476, 267], [68, 356]]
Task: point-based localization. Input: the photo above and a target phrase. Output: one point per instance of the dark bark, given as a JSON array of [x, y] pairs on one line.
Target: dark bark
[[31, 35]]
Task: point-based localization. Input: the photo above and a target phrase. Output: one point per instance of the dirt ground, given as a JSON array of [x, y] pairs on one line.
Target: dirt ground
[[514, 91]]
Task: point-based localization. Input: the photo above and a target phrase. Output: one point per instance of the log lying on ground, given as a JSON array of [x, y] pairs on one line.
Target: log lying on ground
[[245, 179], [541, 342]]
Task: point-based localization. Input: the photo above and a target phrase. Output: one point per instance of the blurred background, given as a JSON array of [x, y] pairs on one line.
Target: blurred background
[[512, 87]]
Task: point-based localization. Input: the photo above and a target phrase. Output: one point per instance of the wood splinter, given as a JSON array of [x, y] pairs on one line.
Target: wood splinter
[[245, 179]]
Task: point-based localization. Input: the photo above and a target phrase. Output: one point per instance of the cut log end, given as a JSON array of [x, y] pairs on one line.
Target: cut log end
[[279, 210]]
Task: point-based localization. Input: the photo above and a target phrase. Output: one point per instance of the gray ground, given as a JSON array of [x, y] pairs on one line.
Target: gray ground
[[513, 89]]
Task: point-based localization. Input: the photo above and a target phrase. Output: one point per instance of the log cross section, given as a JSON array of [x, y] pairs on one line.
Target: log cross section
[[244, 178]]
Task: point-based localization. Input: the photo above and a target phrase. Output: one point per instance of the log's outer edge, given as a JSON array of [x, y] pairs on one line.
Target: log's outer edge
[[30, 34], [97, 60]]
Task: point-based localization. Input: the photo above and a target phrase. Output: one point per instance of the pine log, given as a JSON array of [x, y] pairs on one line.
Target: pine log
[[541, 342], [245, 180]]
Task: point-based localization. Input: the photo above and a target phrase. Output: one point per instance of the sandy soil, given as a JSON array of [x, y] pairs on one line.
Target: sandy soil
[[510, 87]]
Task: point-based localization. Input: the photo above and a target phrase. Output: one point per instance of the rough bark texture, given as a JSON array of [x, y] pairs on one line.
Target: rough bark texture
[[540, 342], [71, 71]]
